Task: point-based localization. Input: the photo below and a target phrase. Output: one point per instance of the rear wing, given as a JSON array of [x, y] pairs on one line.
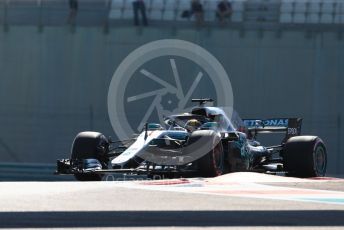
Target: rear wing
[[290, 126]]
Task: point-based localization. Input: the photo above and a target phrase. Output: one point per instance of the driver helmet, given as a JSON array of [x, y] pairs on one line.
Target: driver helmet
[[193, 124]]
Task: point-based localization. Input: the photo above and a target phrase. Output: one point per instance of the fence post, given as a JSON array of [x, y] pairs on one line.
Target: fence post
[[106, 20], [91, 113], [5, 24], [40, 22]]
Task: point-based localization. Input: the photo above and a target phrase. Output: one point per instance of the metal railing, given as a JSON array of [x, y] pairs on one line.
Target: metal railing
[[52, 12], [117, 12]]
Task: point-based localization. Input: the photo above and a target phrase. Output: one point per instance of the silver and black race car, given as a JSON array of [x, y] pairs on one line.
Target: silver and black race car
[[203, 142]]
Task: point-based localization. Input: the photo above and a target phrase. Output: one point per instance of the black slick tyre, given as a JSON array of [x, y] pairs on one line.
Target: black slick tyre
[[90, 145], [207, 144], [305, 156]]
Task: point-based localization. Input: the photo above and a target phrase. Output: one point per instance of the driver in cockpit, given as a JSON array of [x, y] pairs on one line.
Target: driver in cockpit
[[192, 125]]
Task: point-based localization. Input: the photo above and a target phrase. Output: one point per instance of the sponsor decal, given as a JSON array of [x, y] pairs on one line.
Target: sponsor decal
[[268, 122]]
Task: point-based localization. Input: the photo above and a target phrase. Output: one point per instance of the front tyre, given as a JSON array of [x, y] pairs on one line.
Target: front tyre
[[90, 145], [208, 146], [212, 164], [305, 156]]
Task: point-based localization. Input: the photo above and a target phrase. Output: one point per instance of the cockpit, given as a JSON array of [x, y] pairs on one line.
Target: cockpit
[[214, 115]]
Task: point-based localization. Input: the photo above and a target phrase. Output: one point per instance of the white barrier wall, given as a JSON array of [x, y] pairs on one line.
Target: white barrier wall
[[54, 83]]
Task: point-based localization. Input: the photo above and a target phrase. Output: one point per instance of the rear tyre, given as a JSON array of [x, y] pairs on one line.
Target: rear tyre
[[305, 156], [210, 164], [90, 145]]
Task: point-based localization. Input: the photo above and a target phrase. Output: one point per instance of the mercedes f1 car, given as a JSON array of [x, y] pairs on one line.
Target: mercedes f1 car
[[203, 142]]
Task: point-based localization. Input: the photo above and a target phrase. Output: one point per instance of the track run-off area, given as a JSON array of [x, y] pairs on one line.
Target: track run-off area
[[236, 200]]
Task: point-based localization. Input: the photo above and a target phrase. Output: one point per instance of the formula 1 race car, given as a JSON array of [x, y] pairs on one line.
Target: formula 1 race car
[[204, 142]]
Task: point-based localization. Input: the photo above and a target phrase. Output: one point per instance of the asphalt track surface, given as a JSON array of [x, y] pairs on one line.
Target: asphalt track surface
[[237, 201]]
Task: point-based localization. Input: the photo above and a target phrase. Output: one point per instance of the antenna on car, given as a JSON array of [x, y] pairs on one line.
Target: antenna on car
[[202, 101]]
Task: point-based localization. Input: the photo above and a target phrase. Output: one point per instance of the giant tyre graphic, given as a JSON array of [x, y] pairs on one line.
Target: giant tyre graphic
[[305, 156], [166, 92]]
